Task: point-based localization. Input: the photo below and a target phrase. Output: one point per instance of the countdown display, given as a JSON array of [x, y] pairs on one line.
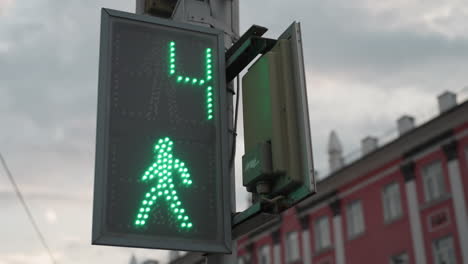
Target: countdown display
[[161, 177]]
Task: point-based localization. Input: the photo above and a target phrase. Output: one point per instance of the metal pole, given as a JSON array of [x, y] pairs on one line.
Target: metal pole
[[223, 15]]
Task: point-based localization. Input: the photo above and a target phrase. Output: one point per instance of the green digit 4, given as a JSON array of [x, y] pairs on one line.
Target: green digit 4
[[205, 81]]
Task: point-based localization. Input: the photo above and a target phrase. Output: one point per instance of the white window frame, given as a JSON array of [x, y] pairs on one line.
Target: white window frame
[[402, 256], [264, 251], [447, 252], [292, 247], [355, 219], [433, 181], [391, 200], [322, 233]]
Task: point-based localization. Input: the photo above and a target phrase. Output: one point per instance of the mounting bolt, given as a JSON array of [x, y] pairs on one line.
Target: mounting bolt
[[263, 187]]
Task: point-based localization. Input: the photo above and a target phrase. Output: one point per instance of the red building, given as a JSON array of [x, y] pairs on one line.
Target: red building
[[404, 202]]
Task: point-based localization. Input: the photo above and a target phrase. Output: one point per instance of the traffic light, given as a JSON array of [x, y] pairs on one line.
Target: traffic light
[[278, 151], [161, 177]]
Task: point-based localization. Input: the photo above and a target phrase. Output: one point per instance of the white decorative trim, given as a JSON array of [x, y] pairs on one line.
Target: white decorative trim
[[338, 240], [415, 223], [459, 204], [277, 253], [306, 248]]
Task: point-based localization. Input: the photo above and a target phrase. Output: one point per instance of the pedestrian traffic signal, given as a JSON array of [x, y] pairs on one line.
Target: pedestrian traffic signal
[[161, 177]]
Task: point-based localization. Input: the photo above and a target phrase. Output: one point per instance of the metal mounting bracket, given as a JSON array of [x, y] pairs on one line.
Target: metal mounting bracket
[[246, 49]]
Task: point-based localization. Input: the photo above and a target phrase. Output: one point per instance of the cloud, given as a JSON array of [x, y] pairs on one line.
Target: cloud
[[50, 216], [5, 5]]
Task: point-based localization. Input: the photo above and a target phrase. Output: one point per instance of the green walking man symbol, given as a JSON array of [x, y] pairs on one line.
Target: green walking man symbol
[[162, 173]]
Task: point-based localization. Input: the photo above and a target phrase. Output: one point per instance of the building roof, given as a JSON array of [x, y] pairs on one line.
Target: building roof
[[404, 148]]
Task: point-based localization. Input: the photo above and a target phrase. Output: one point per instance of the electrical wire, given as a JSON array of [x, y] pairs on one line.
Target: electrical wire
[[26, 208]]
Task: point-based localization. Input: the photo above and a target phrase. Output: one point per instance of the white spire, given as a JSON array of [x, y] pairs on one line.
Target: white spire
[[133, 260], [335, 152]]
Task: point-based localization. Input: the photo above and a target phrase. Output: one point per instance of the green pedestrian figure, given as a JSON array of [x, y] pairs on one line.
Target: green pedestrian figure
[[161, 174]]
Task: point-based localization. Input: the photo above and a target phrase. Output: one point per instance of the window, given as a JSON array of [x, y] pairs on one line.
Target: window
[[355, 219], [322, 233], [433, 179], [245, 259], [399, 259], [292, 247], [443, 251], [391, 201], [264, 255]]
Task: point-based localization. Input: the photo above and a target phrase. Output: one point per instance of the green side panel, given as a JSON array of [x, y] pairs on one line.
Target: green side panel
[[257, 102]]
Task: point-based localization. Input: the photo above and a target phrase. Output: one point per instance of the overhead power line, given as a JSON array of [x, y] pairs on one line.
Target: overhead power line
[[26, 208]]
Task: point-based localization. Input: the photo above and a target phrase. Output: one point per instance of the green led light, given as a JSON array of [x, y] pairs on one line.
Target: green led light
[[165, 185], [191, 80]]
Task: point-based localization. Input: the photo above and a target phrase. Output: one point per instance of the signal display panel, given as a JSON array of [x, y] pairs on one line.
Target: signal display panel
[[161, 156]]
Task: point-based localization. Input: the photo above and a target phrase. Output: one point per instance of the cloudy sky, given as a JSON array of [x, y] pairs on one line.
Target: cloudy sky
[[367, 63]]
